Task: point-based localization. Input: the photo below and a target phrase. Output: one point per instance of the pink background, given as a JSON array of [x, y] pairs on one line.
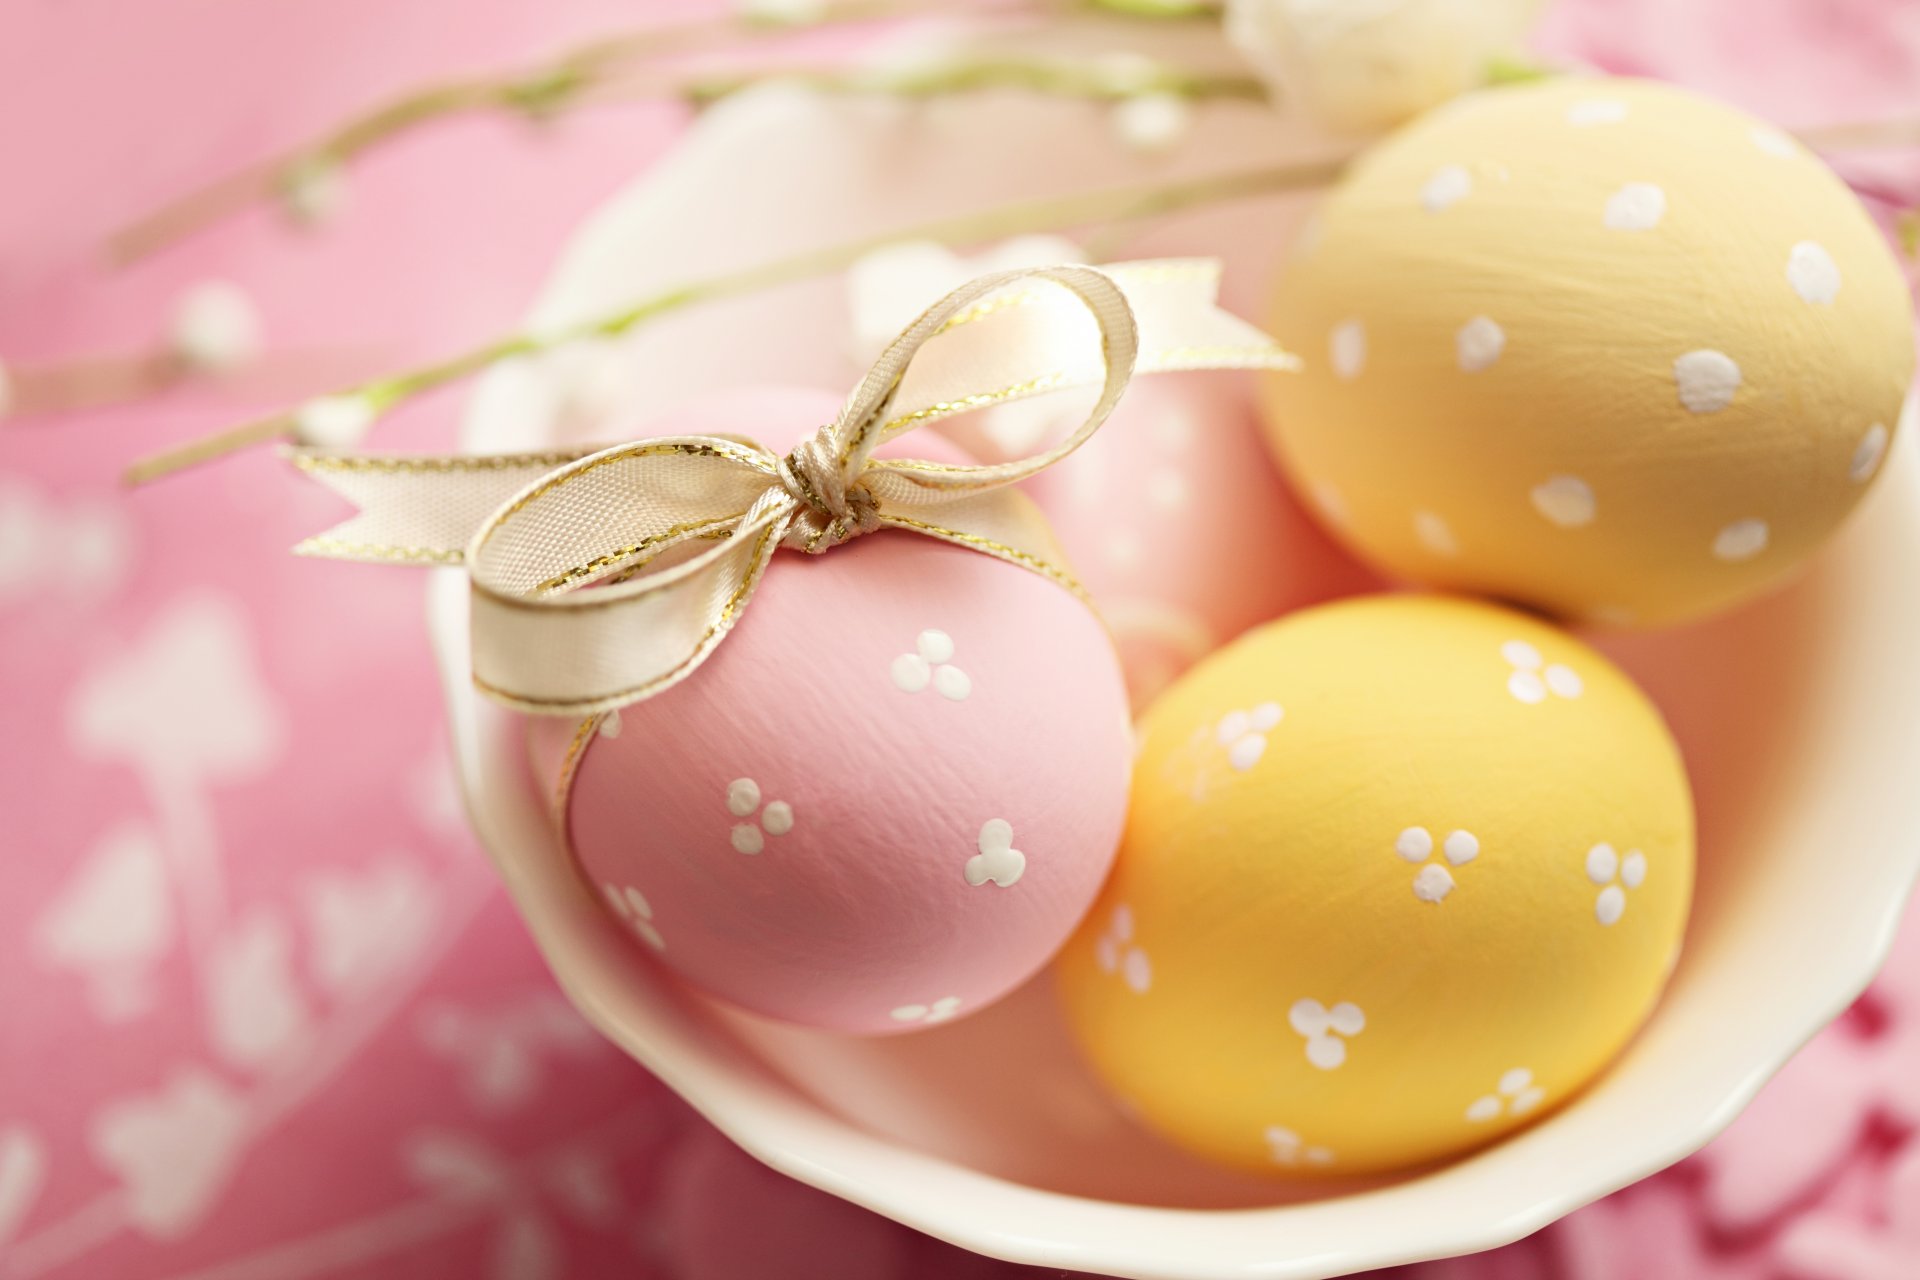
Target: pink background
[[265, 1013]]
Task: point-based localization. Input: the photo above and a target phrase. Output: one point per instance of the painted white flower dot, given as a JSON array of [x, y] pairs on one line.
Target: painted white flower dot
[[1347, 348], [1637, 206], [998, 861], [939, 1011], [1588, 112], [1706, 380], [610, 724], [1605, 867], [1114, 952], [1566, 501], [1325, 1030], [1564, 681], [1415, 844], [931, 663], [1532, 678], [1813, 273], [633, 909], [1741, 540], [1434, 881], [1602, 863], [1449, 184], [1522, 654], [743, 799], [1289, 1149], [1435, 534], [1515, 1094], [1867, 454], [1478, 344], [1244, 733]]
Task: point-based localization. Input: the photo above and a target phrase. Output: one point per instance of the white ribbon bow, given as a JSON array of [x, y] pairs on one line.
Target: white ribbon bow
[[673, 533]]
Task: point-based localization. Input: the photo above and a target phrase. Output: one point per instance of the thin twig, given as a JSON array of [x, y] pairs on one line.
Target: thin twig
[[536, 90], [1035, 215]]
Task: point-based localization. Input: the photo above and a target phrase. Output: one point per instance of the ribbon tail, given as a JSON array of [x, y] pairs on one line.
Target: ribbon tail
[[417, 509], [1182, 326]]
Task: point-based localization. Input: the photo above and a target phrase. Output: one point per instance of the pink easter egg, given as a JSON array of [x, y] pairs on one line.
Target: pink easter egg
[[887, 798], [1179, 525]]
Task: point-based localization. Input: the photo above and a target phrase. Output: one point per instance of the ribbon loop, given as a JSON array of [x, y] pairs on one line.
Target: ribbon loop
[[601, 578]]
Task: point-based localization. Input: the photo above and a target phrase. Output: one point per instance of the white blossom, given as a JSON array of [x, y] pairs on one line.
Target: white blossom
[[1365, 66]]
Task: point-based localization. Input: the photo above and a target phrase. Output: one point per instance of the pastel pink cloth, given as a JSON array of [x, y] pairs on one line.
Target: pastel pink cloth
[[223, 1053]]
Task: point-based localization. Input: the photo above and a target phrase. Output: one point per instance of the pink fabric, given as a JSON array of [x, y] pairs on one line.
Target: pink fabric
[[219, 1057]]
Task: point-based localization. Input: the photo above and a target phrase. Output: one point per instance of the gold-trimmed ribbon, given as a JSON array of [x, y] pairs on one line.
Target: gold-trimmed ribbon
[[674, 532]]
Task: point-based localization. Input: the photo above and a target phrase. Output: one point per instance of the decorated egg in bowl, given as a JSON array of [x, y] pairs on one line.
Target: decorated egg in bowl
[[884, 802], [1603, 347]]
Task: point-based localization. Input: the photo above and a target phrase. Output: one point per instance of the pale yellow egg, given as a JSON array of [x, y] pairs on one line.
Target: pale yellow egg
[[1401, 874], [1600, 346]]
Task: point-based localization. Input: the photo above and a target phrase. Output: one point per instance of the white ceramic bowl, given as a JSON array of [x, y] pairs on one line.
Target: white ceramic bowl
[[1800, 718]]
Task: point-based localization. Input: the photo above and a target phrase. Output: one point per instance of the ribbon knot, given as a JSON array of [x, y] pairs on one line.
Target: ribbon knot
[[601, 576], [833, 508]]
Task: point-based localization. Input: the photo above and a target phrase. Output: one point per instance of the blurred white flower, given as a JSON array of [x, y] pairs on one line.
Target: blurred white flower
[[1152, 122], [333, 422], [888, 288], [215, 328], [184, 701], [1364, 66], [314, 190], [79, 548], [783, 13]]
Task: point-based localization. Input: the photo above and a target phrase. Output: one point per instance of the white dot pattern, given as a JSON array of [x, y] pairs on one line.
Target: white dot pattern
[[1478, 344], [1638, 206], [1813, 273], [1449, 185], [1741, 540], [1566, 501], [1867, 454], [1706, 380], [1347, 349]]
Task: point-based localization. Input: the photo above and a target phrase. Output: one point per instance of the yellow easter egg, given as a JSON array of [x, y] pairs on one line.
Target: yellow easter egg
[[1401, 874], [1602, 346]]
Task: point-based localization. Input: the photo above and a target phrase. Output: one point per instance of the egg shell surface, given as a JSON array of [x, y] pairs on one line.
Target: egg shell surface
[[1401, 873], [1601, 346], [1181, 526], [887, 798]]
